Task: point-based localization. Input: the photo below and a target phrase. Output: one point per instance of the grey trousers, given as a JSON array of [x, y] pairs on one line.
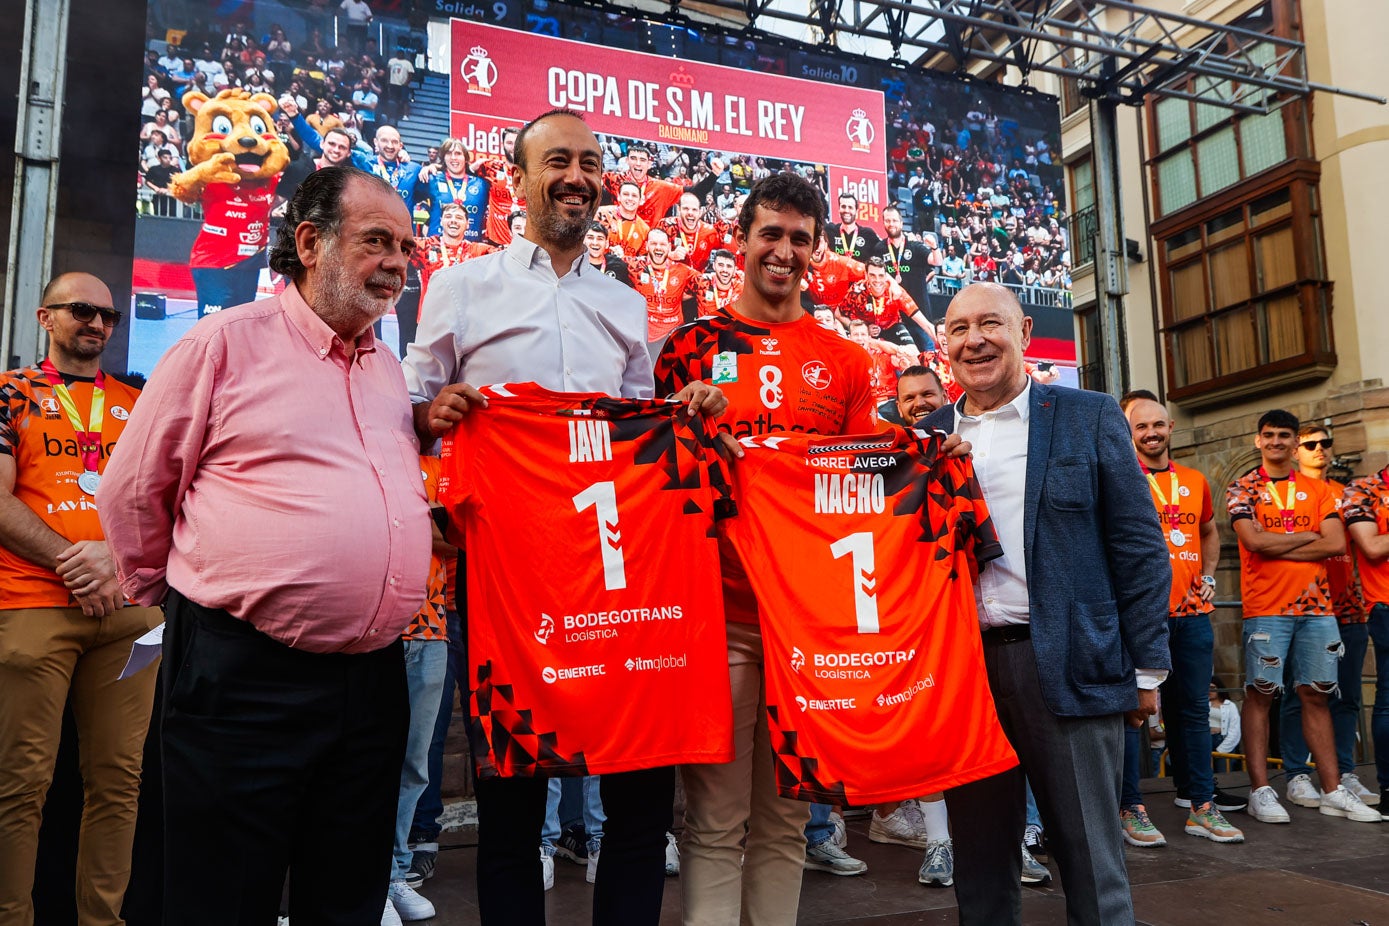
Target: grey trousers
[[1075, 766]]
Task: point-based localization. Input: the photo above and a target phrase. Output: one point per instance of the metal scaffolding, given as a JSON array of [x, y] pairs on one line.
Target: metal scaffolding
[[1119, 53]]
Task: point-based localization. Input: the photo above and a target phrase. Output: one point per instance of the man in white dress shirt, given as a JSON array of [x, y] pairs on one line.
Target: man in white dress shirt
[[540, 312]]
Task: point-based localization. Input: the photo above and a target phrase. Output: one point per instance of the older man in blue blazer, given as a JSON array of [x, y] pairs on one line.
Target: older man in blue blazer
[[1074, 616]]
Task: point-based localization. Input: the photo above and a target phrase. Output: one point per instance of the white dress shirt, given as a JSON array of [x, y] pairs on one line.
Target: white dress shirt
[[999, 438], [507, 318]]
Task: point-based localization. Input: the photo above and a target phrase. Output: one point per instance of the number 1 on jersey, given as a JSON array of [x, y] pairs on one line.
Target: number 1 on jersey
[[859, 547], [602, 496]]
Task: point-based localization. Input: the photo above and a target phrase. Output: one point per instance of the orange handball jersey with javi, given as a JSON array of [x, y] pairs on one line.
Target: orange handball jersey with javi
[[1366, 501], [36, 433], [1193, 508], [1282, 586], [778, 377], [867, 548], [595, 626]]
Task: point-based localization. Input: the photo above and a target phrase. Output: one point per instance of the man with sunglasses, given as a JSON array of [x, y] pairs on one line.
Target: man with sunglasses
[[1313, 456], [64, 635], [1287, 527]]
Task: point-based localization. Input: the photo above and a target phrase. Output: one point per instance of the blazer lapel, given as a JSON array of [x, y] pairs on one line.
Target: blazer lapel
[[1042, 405]]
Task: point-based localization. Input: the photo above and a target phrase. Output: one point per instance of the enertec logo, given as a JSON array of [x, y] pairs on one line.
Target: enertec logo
[[542, 633], [552, 675], [816, 374], [478, 71], [860, 131], [802, 703]]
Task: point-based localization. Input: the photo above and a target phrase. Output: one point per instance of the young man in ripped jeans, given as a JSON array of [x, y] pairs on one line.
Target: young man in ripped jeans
[[1287, 527]]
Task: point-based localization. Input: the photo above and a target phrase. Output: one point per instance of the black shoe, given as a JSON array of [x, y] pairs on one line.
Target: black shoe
[[1384, 803], [1226, 802], [573, 845], [1032, 842]]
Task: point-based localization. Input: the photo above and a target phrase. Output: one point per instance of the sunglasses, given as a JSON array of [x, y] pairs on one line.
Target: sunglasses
[[1324, 443], [84, 312]]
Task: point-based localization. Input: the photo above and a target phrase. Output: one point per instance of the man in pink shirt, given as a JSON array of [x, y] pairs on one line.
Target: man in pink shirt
[[269, 495]]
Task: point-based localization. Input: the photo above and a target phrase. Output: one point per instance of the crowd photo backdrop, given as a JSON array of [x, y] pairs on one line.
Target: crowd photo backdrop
[[930, 182]]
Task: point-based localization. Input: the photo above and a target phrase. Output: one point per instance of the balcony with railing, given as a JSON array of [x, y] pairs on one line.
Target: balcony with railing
[[1085, 226]]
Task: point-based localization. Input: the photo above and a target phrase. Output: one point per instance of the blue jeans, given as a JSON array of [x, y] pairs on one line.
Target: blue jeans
[[592, 815], [1129, 795], [819, 828], [1034, 818], [1186, 706], [1308, 646], [431, 802], [1344, 705], [424, 677], [1379, 723]]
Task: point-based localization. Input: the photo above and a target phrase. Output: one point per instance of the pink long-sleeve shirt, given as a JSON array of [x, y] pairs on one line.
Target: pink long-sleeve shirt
[[272, 471]]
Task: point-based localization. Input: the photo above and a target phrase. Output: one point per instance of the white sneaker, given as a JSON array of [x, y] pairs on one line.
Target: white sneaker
[[388, 916], [1302, 792], [1351, 782], [672, 856], [547, 869], [408, 903], [1264, 806], [829, 857], [905, 826], [592, 874], [1343, 803], [841, 832]]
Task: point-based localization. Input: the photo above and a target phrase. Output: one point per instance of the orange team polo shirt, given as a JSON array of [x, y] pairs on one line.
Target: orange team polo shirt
[[430, 621], [1343, 574], [790, 376], [1366, 501], [1280, 586], [1194, 508], [35, 431]]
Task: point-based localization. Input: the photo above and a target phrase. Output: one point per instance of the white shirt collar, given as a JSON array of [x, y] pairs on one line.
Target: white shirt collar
[[1022, 404], [528, 252]]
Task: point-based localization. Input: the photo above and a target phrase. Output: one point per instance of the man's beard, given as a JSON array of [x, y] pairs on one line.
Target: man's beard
[[553, 227], [346, 306]]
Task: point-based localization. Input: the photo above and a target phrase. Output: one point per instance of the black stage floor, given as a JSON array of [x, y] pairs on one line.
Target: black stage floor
[[1317, 871]]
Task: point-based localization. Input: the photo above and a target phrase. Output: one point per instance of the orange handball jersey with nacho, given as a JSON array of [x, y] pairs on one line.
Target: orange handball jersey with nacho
[[867, 548], [778, 377], [595, 626], [1194, 508], [37, 435], [1282, 586]]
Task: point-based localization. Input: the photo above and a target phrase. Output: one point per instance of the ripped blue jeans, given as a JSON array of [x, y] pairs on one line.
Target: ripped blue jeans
[[1310, 645]]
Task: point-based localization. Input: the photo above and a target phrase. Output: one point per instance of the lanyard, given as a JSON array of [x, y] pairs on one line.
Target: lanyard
[[660, 285], [1171, 505], [1286, 510], [88, 439], [896, 257], [714, 292], [846, 242]]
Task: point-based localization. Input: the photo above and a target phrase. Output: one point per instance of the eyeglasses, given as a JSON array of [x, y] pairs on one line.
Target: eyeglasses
[[84, 312], [1324, 443]]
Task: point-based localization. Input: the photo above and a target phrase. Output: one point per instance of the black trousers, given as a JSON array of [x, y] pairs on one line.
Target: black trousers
[[631, 866], [276, 758]]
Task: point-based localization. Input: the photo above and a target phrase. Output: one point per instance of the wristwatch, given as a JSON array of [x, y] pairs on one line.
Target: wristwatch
[[1208, 580]]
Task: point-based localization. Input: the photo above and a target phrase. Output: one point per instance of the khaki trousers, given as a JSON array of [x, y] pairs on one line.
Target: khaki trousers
[[49, 656], [722, 882]]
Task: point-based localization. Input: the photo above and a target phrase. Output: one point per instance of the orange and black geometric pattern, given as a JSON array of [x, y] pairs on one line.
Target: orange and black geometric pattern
[[1271, 586], [867, 550], [594, 612], [1366, 501]]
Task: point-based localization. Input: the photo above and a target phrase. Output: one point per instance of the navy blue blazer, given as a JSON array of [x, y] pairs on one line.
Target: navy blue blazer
[[1098, 574]]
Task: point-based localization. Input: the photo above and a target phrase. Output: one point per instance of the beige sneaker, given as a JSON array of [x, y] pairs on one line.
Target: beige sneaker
[[1209, 823], [1138, 829]]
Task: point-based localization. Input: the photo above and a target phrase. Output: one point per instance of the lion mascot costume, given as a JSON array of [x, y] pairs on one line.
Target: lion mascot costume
[[236, 159]]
